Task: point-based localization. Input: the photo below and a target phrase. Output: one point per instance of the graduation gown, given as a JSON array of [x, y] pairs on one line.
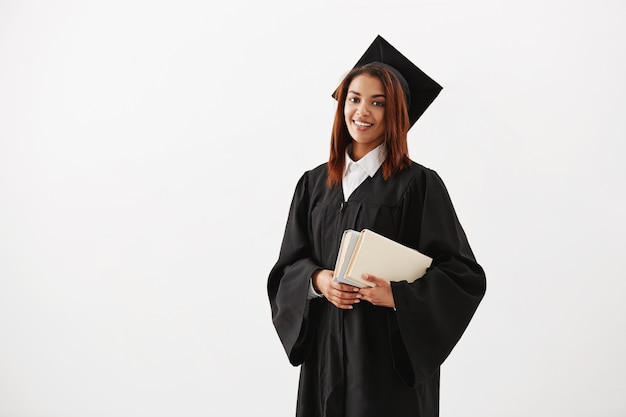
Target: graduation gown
[[373, 361]]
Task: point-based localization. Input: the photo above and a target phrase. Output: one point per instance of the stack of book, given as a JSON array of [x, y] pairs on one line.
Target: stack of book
[[369, 253]]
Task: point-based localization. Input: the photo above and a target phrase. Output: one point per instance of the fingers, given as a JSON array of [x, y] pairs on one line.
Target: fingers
[[340, 295], [343, 296], [379, 295], [378, 282]]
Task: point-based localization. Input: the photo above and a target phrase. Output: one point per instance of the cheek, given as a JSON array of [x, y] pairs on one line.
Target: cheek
[[347, 116], [380, 117]]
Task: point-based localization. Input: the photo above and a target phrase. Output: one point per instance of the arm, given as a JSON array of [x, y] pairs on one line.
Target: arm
[[434, 311], [289, 279]]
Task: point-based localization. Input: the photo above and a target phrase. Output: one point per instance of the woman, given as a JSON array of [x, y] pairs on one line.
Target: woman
[[372, 351]]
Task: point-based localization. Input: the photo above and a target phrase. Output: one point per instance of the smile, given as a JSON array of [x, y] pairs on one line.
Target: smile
[[362, 124]]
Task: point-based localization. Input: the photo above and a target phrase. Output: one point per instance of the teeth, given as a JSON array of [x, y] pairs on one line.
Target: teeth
[[362, 124]]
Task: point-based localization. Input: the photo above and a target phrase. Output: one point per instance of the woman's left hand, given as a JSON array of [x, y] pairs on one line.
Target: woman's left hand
[[379, 295]]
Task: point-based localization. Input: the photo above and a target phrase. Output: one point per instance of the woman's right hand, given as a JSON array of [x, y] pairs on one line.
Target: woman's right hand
[[341, 295]]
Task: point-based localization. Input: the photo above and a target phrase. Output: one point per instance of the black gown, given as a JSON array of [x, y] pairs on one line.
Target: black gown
[[373, 361]]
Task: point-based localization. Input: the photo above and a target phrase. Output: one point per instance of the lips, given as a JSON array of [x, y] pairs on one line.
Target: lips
[[362, 124]]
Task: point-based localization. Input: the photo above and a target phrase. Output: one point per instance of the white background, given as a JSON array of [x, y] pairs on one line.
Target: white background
[[149, 151]]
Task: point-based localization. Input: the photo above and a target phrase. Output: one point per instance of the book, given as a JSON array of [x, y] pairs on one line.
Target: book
[[346, 249], [370, 253]]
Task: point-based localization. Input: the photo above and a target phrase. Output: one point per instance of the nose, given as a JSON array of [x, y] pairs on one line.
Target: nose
[[362, 109]]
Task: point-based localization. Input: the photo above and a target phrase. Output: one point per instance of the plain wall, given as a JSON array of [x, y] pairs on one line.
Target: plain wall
[[149, 151]]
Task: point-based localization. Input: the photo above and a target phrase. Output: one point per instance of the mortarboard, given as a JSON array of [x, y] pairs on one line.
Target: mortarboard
[[420, 90]]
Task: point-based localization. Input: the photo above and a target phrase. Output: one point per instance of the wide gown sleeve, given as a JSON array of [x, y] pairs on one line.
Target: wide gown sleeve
[[289, 279], [433, 312]]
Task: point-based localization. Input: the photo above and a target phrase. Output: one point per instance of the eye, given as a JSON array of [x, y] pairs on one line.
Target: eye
[[379, 103], [353, 99]]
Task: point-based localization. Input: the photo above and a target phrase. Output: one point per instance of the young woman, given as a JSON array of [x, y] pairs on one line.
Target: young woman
[[372, 351]]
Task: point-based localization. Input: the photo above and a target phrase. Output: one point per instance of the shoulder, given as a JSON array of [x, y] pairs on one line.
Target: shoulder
[[315, 177], [417, 181], [419, 170], [312, 182], [320, 171], [418, 175], [428, 184]]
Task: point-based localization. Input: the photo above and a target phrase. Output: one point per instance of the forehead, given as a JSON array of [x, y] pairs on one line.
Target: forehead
[[366, 84]]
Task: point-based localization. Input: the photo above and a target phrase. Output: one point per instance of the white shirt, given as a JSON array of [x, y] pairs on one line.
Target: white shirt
[[354, 173]]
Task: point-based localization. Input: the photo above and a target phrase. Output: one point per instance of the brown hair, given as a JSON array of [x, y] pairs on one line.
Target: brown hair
[[396, 121]]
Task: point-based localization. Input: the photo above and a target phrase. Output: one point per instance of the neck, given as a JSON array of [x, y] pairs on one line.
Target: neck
[[359, 150]]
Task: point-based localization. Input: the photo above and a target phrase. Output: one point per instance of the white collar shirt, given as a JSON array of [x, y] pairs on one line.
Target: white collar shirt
[[356, 172]]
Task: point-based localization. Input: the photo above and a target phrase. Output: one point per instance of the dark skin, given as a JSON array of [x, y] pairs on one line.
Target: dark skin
[[344, 296]]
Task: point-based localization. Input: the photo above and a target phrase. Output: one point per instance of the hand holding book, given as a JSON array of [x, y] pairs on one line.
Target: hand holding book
[[367, 252], [341, 295], [379, 294], [344, 296]]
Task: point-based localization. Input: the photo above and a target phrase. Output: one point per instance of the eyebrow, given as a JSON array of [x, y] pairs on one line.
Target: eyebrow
[[358, 94]]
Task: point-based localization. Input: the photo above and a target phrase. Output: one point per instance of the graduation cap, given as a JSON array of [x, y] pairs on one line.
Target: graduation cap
[[419, 89]]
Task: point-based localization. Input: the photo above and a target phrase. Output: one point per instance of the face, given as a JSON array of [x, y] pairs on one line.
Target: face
[[364, 111]]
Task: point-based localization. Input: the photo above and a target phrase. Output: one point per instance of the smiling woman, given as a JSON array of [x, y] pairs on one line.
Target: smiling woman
[[369, 352]]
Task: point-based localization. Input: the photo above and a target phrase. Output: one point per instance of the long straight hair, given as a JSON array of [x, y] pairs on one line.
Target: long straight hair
[[396, 120]]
